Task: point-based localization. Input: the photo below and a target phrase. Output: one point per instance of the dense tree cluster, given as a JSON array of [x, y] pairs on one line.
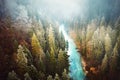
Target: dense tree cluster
[[98, 42], [32, 51]]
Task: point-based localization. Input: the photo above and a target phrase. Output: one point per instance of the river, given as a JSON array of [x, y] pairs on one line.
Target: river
[[76, 70]]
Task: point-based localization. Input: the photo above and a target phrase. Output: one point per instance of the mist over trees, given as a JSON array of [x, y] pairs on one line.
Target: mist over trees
[[98, 42], [33, 53], [32, 48]]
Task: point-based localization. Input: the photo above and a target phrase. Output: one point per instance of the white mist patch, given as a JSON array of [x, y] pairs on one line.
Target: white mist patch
[[76, 70], [62, 29], [51, 8], [61, 7]]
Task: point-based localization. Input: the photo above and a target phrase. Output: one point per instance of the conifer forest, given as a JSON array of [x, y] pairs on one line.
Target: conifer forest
[[59, 39]]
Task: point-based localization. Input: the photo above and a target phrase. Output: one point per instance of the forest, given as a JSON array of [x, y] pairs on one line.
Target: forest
[[99, 45], [33, 46], [35, 53]]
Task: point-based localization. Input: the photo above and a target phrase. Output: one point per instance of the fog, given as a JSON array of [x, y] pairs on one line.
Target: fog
[[50, 8], [62, 9]]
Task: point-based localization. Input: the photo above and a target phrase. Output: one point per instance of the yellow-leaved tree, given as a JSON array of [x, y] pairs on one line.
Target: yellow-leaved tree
[[36, 48], [37, 53]]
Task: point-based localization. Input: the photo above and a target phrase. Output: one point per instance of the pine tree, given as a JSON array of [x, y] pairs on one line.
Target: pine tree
[[27, 76], [115, 58], [108, 45], [102, 33], [49, 77], [33, 72], [104, 65], [29, 55], [12, 76], [65, 76], [21, 56], [89, 32], [51, 40], [52, 51], [117, 23], [62, 62], [41, 75], [40, 33], [36, 48], [38, 54], [56, 77]]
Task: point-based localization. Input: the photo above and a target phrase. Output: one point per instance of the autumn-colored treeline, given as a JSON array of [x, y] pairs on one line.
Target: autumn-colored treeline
[[32, 50], [99, 44]]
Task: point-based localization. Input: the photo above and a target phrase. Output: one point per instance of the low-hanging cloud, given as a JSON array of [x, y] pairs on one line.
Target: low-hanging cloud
[[64, 8], [51, 8]]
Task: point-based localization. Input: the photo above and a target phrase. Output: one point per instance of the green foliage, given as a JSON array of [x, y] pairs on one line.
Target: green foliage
[[108, 45], [32, 71], [56, 77], [104, 65], [12, 76], [21, 56], [65, 76], [99, 44], [28, 55], [114, 62], [49, 77], [36, 48], [62, 62], [51, 41], [27, 76], [41, 75], [41, 50]]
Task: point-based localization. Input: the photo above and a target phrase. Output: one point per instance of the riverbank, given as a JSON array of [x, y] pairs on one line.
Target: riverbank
[[98, 44], [75, 68]]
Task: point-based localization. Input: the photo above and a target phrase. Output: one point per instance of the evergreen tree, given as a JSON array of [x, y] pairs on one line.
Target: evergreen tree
[[21, 56], [33, 72], [38, 54], [52, 51], [41, 75], [65, 76], [40, 33], [115, 58], [56, 77], [62, 62], [49, 77], [104, 65], [51, 40], [108, 45], [36, 48], [12, 76], [29, 55], [27, 76]]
